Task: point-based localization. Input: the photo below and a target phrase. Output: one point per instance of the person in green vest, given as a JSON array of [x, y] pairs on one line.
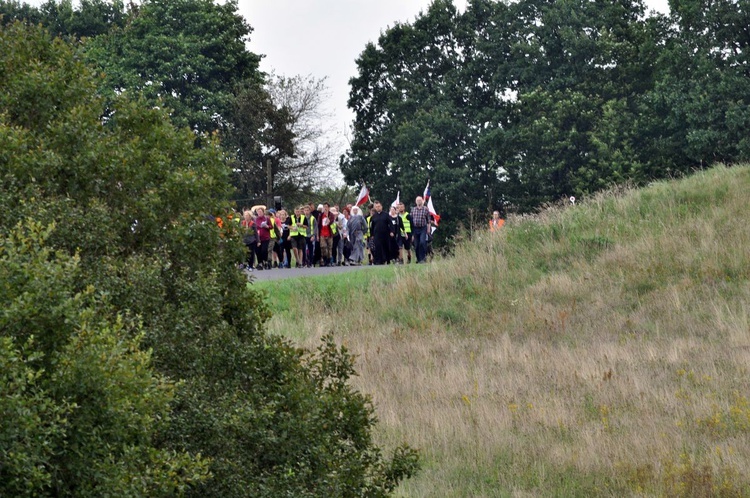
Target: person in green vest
[[310, 226], [273, 257], [405, 241], [297, 235], [368, 235]]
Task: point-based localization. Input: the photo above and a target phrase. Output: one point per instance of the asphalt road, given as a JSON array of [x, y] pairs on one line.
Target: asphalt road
[[278, 274]]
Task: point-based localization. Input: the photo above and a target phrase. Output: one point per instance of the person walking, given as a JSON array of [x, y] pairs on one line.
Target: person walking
[[396, 227], [310, 228], [326, 236], [263, 229], [380, 232], [357, 227], [284, 245], [296, 237], [339, 229], [420, 224], [405, 243], [249, 238], [273, 256]]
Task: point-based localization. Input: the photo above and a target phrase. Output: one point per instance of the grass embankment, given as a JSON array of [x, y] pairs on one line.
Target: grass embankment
[[596, 350]]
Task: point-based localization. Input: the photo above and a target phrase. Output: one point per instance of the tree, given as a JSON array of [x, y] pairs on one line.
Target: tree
[[699, 108], [81, 403], [279, 124], [183, 55], [89, 18], [147, 365], [503, 104], [414, 117]]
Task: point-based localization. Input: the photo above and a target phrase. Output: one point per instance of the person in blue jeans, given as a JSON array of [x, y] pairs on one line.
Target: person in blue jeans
[[420, 223]]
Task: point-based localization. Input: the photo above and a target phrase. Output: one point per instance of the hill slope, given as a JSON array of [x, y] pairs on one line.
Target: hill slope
[[595, 350]]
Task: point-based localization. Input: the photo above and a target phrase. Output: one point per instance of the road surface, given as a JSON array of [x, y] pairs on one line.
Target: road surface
[[280, 273]]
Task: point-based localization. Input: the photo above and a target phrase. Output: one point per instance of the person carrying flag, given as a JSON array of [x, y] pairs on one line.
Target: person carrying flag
[[363, 197], [420, 223]]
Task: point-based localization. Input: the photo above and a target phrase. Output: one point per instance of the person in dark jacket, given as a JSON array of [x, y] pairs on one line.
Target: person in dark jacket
[[396, 227], [380, 232]]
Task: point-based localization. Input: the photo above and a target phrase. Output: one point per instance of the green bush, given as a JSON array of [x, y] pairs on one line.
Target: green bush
[[152, 350]]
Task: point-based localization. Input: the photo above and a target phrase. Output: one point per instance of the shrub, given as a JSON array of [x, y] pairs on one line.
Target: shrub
[[152, 344]]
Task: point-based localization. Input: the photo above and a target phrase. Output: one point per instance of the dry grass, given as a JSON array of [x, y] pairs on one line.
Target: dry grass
[[599, 350]]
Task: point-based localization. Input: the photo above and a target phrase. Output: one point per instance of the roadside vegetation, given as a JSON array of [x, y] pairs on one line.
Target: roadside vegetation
[[600, 349]]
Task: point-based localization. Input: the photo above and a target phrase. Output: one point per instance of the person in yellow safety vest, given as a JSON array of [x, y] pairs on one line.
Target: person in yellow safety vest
[[273, 258], [496, 223], [370, 241], [309, 227], [405, 241], [297, 235]]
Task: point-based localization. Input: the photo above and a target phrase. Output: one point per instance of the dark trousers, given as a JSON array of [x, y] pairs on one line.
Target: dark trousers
[[261, 251], [250, 254], [309, 252], [419, 239], [380, 249], [283, 247]]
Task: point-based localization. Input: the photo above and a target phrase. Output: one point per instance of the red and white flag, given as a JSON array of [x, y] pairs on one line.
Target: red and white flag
[[364, 196], [428, 199]]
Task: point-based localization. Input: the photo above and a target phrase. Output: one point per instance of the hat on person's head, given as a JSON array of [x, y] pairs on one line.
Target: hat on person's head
[[320, 207], [334, 210], [272, 211]]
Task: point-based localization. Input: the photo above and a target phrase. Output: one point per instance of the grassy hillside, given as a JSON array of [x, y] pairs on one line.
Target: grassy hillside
[[595, 350]]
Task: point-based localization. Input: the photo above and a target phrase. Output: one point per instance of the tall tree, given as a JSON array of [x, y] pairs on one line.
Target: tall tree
[[412, 122], [280, 125], [183, 55], [505, 103], [702, 100], [88, 18]]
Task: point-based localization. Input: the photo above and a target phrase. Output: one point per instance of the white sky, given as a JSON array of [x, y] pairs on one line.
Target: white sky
[[323, 38]]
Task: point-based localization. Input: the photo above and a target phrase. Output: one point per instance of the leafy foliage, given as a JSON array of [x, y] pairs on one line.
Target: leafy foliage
[[185, 55], [512, 105], [126, 325]]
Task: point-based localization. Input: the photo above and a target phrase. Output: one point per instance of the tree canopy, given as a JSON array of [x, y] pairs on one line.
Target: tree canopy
[[512, 105]]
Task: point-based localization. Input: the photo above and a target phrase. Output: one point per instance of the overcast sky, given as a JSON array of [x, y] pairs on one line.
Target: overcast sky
[[323, 38]]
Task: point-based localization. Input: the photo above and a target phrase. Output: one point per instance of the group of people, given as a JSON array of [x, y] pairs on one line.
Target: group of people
[[327, 236]]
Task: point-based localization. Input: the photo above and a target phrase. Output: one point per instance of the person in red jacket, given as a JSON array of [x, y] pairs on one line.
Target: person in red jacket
[[263, 229], [326, 235]]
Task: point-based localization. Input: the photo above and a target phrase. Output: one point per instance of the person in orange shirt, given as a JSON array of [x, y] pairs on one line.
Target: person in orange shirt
[[496, 223]]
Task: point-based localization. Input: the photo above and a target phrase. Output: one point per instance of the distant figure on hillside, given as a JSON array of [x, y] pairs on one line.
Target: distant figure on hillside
[[496, 223]]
